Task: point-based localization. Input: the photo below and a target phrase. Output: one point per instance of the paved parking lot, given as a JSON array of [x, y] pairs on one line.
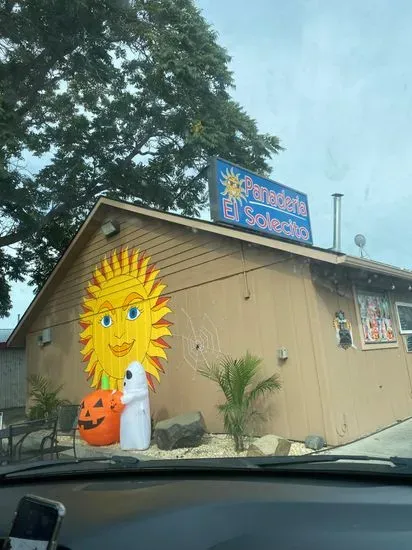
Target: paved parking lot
[[393, 441]]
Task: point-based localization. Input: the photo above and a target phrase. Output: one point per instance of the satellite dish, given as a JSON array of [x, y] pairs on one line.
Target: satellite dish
[[360, 241]]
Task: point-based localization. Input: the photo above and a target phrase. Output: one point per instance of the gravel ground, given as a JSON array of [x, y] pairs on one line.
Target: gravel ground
[[213, 446]]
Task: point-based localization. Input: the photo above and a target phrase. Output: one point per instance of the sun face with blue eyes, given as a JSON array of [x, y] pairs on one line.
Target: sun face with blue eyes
[[123, 319], [132, 314]]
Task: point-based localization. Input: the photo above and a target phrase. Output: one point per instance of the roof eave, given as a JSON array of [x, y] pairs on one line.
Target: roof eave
[[227, 231], [17, 337], [376, 267]]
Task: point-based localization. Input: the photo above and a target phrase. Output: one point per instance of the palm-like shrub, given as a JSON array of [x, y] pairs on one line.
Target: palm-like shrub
[[44, 396], [237, 380]]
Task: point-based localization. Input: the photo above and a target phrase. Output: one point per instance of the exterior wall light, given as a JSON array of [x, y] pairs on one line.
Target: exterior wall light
[[110, 228]]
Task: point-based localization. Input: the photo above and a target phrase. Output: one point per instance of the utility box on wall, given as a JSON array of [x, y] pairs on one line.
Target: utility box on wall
[[283, 354], [45, 337]]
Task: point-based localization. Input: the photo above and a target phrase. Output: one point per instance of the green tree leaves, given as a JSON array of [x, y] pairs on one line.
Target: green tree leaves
[[126, 99]]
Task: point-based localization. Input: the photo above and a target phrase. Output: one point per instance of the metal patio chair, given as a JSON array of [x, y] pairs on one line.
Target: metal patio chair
[[67, 418]]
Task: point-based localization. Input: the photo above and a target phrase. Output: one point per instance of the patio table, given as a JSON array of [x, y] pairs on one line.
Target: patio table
[[15, 451]]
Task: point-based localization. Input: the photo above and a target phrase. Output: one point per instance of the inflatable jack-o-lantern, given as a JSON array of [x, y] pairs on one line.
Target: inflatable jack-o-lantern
[[99, 418]]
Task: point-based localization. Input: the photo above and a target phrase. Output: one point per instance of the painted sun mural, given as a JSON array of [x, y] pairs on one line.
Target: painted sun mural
[[123, 319]]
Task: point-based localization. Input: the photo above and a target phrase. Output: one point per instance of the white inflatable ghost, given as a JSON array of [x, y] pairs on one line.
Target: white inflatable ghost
[[135, 424]]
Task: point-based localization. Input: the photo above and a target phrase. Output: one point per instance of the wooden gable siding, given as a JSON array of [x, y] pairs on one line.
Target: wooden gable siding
[[226, 298]]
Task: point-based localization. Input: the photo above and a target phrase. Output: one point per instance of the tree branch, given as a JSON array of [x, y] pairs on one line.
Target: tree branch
[[137, 147], [42, 82], [25, 232], [198, 176]]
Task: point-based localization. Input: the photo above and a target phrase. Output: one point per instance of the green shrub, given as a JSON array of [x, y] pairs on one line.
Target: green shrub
[[237, 380], [44, 396]]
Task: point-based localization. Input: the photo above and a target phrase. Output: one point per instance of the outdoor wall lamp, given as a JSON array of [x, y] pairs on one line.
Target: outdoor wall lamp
[[110, 228]]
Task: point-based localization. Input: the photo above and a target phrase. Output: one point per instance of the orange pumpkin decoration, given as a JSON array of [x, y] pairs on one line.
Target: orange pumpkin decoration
[[99, 418]]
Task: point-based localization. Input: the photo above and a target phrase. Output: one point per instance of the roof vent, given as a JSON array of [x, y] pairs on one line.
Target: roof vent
[[337, 221]]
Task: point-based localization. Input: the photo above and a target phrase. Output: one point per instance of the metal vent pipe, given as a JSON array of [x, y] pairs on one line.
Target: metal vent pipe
[[337, 221]]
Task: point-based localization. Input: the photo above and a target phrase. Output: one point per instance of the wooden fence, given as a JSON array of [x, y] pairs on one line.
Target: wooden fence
[[12, 378]]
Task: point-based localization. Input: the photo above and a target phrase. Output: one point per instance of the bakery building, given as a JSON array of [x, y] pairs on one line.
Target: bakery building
[[175, 293]]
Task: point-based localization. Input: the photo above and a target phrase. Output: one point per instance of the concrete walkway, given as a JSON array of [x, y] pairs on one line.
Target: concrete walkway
[[393, 441]]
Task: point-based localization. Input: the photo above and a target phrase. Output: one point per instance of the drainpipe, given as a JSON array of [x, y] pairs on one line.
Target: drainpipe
[[337, 219]]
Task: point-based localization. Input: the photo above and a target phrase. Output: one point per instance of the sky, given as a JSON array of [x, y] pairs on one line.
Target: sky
[[333, 81]]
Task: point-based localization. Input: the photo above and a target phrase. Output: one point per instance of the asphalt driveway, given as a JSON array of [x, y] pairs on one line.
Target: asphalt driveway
[[393, 441]]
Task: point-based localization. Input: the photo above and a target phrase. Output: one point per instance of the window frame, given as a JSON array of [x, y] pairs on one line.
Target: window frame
[[367, 346]]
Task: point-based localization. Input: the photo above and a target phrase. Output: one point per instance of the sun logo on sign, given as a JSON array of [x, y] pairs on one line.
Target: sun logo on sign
[[233, 185]]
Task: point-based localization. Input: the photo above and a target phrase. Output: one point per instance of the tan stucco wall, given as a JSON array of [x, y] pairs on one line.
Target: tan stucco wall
[[208, 288], [224, 303], [369, 389]]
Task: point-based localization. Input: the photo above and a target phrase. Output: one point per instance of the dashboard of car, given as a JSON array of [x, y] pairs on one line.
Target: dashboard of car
[[218, 512]]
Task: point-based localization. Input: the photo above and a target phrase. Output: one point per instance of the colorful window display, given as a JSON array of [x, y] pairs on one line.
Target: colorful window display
[[376, 318]]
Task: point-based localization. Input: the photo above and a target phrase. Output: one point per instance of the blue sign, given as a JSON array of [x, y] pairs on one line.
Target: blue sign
[[242, 198]]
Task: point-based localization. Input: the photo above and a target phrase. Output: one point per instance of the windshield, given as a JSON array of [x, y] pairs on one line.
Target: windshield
[[195, 250]]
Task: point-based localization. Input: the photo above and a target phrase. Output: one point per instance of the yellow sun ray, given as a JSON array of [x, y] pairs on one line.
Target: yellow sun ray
[[123, 319], [100, 279], [117, 270]]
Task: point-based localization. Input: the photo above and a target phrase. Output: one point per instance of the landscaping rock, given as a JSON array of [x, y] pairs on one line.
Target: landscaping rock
[[185, 430], [269, 445], [315, 442]]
